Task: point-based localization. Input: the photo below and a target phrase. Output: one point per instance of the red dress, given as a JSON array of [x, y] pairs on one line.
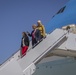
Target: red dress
[[24, 50]]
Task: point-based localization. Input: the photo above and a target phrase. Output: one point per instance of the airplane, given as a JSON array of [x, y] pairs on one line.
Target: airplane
[[55, 54], [65, 16]]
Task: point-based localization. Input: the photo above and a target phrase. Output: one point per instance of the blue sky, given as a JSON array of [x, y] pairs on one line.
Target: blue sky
[[17, 16]]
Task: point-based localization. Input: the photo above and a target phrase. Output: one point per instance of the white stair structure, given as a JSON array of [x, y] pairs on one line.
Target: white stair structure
[[26, 65]]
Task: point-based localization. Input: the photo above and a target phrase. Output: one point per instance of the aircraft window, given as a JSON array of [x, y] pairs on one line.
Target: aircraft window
[[61, 10]]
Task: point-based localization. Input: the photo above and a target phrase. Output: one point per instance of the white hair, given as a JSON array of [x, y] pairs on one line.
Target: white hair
[[39, 21]]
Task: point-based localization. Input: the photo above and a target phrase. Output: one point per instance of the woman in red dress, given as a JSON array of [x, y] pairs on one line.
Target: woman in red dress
[[24, 44]]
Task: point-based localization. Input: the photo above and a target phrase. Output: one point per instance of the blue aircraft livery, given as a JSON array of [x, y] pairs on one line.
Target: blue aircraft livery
[[65, 16]]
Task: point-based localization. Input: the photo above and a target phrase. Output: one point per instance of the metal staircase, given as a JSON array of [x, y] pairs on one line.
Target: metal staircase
[[26, 65]]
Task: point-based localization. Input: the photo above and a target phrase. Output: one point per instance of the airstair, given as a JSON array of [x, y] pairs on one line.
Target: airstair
[[26, 65]]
